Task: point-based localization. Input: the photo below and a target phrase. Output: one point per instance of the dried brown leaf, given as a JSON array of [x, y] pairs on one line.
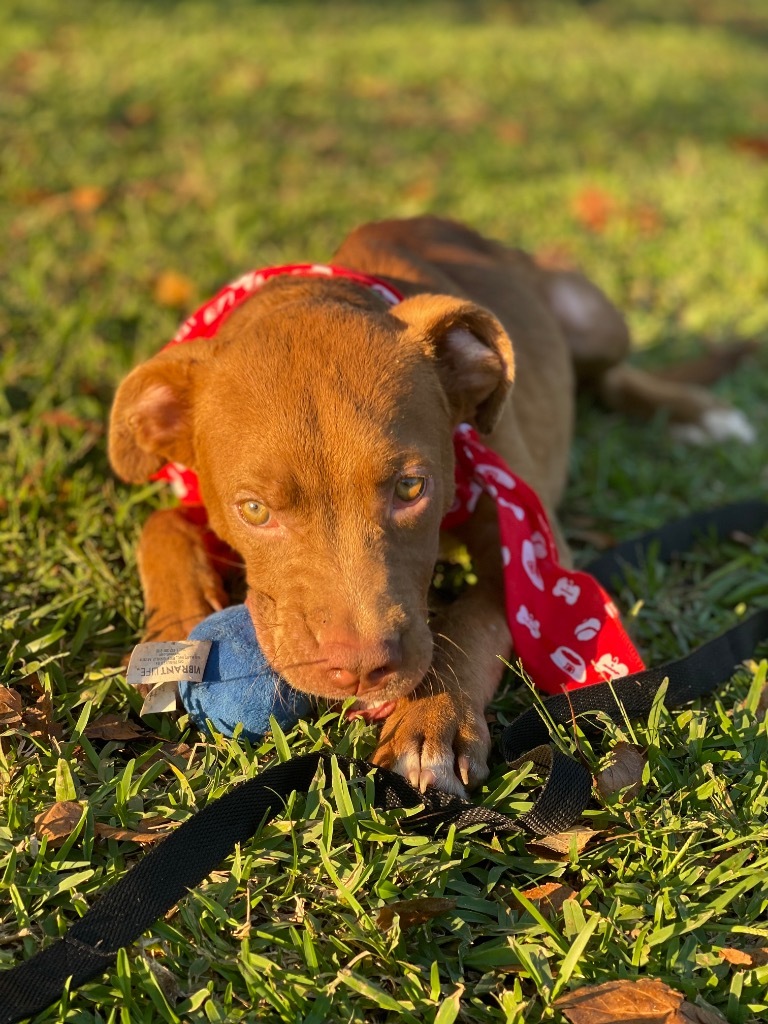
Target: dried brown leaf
[[550, 897], [562, 843], [624, 772], [105, 831], [736, 956], [600, 539], [10, 707], [86, 198], [414, 912], [62, 418], [756, 145], [38, 719], [641, 1001], [646, 219], [112, 727], [514, 133], [166, 980], [755, 957], [173, 289], [594, 208], [58, 821]]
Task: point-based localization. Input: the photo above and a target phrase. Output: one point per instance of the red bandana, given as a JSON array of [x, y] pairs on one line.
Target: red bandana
[[565, 629]]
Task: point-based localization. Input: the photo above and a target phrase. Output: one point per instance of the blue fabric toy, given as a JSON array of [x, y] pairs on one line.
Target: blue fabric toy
[[238, 685]]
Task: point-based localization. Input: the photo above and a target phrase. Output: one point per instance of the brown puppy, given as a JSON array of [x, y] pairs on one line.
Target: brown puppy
[[319, 422]]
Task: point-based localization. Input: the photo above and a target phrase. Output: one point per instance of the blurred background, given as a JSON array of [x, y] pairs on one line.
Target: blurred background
[[152, 150]]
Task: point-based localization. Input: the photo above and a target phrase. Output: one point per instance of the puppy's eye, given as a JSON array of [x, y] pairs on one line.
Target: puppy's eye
[[410, 488], [254, 512]]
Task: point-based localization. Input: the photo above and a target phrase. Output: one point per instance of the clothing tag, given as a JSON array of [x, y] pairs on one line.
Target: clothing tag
[[161, 665], [160, 699], [168, 661]]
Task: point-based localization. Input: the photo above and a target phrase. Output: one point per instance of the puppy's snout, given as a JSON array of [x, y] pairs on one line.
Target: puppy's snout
[[359, 668]]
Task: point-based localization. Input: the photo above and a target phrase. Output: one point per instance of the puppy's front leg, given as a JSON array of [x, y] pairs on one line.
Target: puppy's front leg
[[438, 735], [180, 582]]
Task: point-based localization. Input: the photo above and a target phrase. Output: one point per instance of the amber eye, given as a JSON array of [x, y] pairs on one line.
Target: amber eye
[[254, 512], [410, 488]]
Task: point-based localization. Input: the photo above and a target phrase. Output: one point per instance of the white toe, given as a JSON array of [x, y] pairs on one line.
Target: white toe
[[716, 425]]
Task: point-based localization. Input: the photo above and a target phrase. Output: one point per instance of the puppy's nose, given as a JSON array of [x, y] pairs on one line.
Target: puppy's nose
[[377, 677], [360, 668]]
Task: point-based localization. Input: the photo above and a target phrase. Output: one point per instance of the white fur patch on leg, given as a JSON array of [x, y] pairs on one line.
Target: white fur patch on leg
[[716, 425]]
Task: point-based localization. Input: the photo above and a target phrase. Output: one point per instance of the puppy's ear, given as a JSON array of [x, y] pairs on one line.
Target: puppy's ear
[[472, 351], [151, 419]]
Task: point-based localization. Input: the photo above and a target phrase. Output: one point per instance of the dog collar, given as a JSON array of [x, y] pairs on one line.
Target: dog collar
[[565, 629]]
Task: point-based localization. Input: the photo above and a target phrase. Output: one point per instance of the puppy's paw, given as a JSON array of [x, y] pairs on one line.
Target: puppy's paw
[[716, 425], [434, 741]]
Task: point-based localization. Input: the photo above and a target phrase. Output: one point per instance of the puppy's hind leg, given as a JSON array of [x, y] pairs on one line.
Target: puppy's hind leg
[[695, 414], [599, 340]]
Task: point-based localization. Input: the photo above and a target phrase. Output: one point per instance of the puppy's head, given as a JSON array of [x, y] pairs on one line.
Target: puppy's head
[[321, 433]]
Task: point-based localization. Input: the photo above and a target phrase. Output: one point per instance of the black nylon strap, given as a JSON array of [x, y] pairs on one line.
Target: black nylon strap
[[180, 862], [678, 536], [194, 849]]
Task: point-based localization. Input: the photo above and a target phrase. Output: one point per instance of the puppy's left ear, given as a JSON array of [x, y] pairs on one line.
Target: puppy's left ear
[[472, 350]]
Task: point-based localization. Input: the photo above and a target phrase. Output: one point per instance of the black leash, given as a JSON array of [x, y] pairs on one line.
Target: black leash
[[181, 862]]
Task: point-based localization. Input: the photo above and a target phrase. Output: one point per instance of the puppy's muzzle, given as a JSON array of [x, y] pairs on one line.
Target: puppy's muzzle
[[356, 667]]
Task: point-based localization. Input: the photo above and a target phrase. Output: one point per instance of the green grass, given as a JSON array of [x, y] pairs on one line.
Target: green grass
[[229, 135]]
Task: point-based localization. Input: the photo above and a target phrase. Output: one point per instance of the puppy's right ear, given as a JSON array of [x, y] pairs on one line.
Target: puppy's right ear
[[151, 421]]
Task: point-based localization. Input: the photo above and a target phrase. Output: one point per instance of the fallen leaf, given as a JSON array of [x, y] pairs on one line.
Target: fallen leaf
[[600, 539], [646, 219], [173, 289], [137, 114], [756, 957], [624, 772], [735, 956], [58, 821], [166, 980], [10, 706], [562, 842], [756, 145], [414, 912], [422, 190], [641, 1001], [143, 836], [762, 703], [176, 753], [62, 418], [549, 898], [111, 727], [86, 198], [38, 719], [594, 208], [740, 537], [511, 132]]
